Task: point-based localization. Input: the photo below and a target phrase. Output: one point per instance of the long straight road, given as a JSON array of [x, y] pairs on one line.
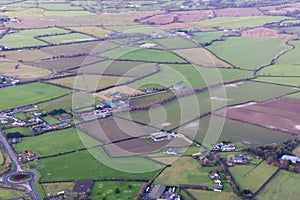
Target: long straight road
[[17, 168]]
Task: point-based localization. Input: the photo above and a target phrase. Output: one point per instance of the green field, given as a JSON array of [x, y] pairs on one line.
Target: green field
[[150, 55], [284, 186], [175, 43], [291, 57], [1, 158], [108, 188], [281, 70], [293, 97], [288, 81], [12, 194], [51, 120], [208, 195], [191, 76], [186, 170], [61, 141], [248, 53], [54, 188], [207, 37], [28, 94], [252, 178], [23, 131], [83, 166], [92, 30], [67, 38], [25, 38], [239, 22]]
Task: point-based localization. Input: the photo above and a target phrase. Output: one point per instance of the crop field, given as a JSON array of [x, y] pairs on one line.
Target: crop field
[[292, 30], [207, 195], [239, 22], [151, 55], [274, 114], [235, 12], [291, 57], [112, 129], [28, 94], [283, 186], [92, 30], [194, 15], [252, 52], [61, 141], [267, 33], [175, 43], [27, 55], [119, 68], [65, 102], [108, 188], [252, 178], [62, 64], [84, 166], [207, 37], [204, 102], [159, 19], [281, 70], [202, 57], [185, 170], [90, 82], [288, 81], [22, 130], [145, 29], [23, 71], [59, 6], [67, 38], [25, 38]]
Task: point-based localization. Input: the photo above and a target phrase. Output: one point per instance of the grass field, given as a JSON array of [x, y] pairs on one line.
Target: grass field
[[252, 178], [238, 22], [283, 186], [144, 29], [281, 70], [175, 43], [90, 82], [54, 188], [207, 195], [25, 38], [28, 94], [61, 141], [23, 71], [248, 53], [291, 57], [59, 6], [292, 97], [207, 37], [190, 76], [186, 170], [150, 55], [92, 30], [67, 38], [202, 57], [1, 158], [11, 194], [108, 188], [51, 120], [22, 130], [83, 166], [288, 81]]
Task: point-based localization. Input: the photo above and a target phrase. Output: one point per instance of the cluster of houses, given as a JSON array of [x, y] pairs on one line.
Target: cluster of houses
[[27, 156], [8, 116], [223, 147], [6, 81], [215, 176]]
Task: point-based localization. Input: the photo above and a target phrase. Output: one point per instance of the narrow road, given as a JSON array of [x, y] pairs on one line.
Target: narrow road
[[17, 168]]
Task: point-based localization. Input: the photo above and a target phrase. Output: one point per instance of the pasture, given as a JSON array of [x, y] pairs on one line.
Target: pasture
[[22, 130], [84, 166], [29, 94], [27, 55], [291, 57], [207, 195], [150, 55], [281, 70], [239, 22], [54, 188], [175, 43], [61, 141], [92, 30], [108, 188], [287, 81], [58, 6], [67, 38], [144, 29], [284, 186], [12, 194], [207, 37], [248, 53], [251, 177]]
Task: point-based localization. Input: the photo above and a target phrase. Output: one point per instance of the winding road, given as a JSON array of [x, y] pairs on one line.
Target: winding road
[[29, 185]]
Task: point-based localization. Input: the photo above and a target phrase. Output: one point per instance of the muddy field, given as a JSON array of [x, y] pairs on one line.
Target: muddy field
[[266, 33], [234, 12], [159, 19], [280, 9], [194, 16], [275, 114]]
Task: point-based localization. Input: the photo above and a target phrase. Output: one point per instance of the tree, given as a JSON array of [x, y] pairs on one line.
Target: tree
[[117, 190], [103, 196]]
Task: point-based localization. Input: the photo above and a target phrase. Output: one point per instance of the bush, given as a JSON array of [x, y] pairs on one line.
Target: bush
[[117, 190], [129, 186]]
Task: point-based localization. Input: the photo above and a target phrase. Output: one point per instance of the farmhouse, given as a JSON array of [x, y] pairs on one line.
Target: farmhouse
[[223, 147], [240, 159], [293, 159], [159, 136], [157, 191], [82, 187]]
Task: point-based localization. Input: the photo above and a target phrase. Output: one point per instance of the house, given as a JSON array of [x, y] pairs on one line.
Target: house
[[293, 159], [82, 187], [214, 174], [240, 159], [219, 188], [218, 181], [157, 191], [159, 136]]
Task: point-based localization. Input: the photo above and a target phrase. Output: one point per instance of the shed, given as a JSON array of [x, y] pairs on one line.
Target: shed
[[157, 191]]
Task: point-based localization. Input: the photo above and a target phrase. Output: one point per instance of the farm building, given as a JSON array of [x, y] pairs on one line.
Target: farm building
[[159, 136], [82, 187], [157, 191], [293, 159], [240, 159]]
